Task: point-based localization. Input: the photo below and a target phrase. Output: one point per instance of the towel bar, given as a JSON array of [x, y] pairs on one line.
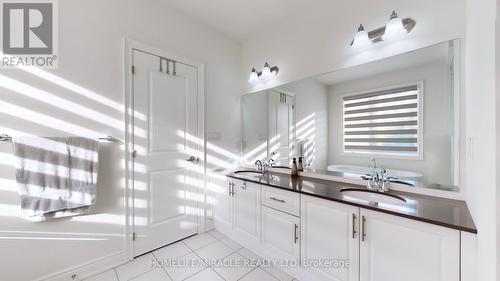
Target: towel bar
[[5, 137]]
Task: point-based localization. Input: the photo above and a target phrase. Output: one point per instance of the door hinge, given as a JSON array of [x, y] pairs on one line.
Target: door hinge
[[133, 69], [134, 236], [134, 153]]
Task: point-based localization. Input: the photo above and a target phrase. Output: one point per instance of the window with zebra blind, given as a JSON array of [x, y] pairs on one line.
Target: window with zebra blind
[[385, 122]]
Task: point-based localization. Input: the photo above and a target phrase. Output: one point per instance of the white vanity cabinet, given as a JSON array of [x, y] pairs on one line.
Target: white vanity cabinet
[[334, 241], [222, 202], [394, 249], [330, 231], [236, 210], [246, 223], [280, 235]]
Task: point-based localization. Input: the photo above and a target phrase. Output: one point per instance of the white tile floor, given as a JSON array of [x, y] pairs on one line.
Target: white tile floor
[[211, 245]]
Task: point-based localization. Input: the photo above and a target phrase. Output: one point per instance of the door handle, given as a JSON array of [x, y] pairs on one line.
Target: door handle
[[193, 159], [230, 188]]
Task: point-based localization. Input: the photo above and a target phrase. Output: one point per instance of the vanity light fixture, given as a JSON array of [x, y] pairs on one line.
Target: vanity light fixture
[[361, 38], [266, 73], [394, 28]]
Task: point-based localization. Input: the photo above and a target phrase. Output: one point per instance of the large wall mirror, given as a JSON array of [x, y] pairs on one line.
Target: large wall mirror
[[401, 113]]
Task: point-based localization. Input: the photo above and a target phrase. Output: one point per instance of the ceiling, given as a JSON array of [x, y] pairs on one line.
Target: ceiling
[[238, 19], [436, 53]]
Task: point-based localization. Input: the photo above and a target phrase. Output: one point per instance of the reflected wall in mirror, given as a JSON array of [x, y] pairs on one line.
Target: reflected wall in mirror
[[400, 113]]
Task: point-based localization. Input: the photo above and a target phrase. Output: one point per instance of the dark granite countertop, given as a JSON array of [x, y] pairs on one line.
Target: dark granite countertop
[[440, 211]]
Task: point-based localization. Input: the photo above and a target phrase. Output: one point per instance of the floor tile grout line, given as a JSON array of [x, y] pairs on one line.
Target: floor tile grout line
[[192, 252], [217, 273], [233, 251], [147, 271], [164, 270], [269, 273], [116, 274], [220, 238], [230, 246], [200, 247], [195, 273], [151, 269], [248, 272]]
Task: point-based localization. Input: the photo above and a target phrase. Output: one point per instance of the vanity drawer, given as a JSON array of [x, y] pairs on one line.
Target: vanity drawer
[[285, 201]]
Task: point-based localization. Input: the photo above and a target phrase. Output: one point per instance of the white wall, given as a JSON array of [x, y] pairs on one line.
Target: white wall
[[436, 165], [311, 117], [90, 76], [480, 107], [317, 39]]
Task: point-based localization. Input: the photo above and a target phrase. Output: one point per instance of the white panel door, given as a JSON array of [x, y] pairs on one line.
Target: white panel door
[[247, 212], [281, 128], [395, 249], [330, 231], [166, 185], [280, 234]]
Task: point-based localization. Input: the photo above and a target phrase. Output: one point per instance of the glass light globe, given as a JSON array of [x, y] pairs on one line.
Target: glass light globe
[[361, 38], [394, 27], [253, 76], [266, 72]]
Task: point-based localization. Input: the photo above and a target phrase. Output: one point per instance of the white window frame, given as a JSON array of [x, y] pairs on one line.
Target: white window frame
[[420, 126]]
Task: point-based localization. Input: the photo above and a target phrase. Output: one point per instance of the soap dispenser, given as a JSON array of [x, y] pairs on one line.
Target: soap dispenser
[[294, 167], [300, 166]]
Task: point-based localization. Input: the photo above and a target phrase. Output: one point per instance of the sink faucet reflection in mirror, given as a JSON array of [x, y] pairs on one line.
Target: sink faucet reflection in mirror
[[263, 165], [378, 180]]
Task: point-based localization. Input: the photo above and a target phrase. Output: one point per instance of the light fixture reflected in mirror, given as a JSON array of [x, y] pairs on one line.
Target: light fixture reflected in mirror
[[253, 76], [266, 73], [394, 28], [361, 38]]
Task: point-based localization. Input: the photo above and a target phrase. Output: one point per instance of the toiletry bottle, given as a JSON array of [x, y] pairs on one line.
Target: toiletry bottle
[[300, 166], [294, 167]]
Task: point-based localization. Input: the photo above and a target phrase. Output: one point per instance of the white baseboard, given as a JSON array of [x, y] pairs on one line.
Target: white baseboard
[[88, 269]]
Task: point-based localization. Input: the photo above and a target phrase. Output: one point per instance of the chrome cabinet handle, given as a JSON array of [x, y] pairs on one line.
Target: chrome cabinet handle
[[278, 200], [353, 226], [231, 188], [296, 234], [363, 228]]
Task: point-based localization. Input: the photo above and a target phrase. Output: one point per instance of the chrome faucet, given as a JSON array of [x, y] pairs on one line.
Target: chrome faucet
[[264, 165], [260, 167]]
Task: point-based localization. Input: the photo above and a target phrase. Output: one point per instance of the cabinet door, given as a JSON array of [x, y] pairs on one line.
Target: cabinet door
[[247, 212], [395, 249], [280, 234], [222, 203], [330, 231]]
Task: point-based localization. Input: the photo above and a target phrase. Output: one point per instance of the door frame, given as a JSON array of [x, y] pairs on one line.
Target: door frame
[[130, 46]]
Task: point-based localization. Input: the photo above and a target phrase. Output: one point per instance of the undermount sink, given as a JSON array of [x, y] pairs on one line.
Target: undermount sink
[[249, 174], [372, 196]]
